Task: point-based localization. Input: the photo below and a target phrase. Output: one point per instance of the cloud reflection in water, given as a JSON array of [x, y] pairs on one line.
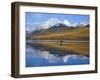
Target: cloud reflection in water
[[50, 57]]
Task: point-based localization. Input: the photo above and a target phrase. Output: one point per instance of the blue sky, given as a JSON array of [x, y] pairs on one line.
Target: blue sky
[[39, 18]]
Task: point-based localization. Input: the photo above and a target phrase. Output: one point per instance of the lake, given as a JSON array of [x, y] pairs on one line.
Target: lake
[[56, 54]]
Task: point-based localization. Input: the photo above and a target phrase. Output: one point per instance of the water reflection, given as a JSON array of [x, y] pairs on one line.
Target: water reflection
[[40, 56]]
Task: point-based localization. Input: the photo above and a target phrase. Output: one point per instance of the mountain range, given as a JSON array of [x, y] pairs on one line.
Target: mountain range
[[56, 29], [47, 24]]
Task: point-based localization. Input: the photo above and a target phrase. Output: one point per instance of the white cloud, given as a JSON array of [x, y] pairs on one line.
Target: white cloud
[[75, 57], [74, 24], [84, 23], [67, 22], [67, 57], [30, 29]]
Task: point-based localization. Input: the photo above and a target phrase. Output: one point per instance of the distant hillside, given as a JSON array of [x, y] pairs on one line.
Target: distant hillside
[[63, 33], [56, 28]]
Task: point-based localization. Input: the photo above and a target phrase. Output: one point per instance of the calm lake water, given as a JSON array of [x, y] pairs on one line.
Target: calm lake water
[[37, 56]]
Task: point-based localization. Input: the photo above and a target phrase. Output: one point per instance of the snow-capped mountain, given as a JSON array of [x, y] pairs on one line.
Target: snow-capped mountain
[[51, 22], [83, 24], [59, 25], [50, 25]]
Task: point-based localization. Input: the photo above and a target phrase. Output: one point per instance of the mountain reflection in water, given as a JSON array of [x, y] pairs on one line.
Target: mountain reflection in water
[[39, 56]]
